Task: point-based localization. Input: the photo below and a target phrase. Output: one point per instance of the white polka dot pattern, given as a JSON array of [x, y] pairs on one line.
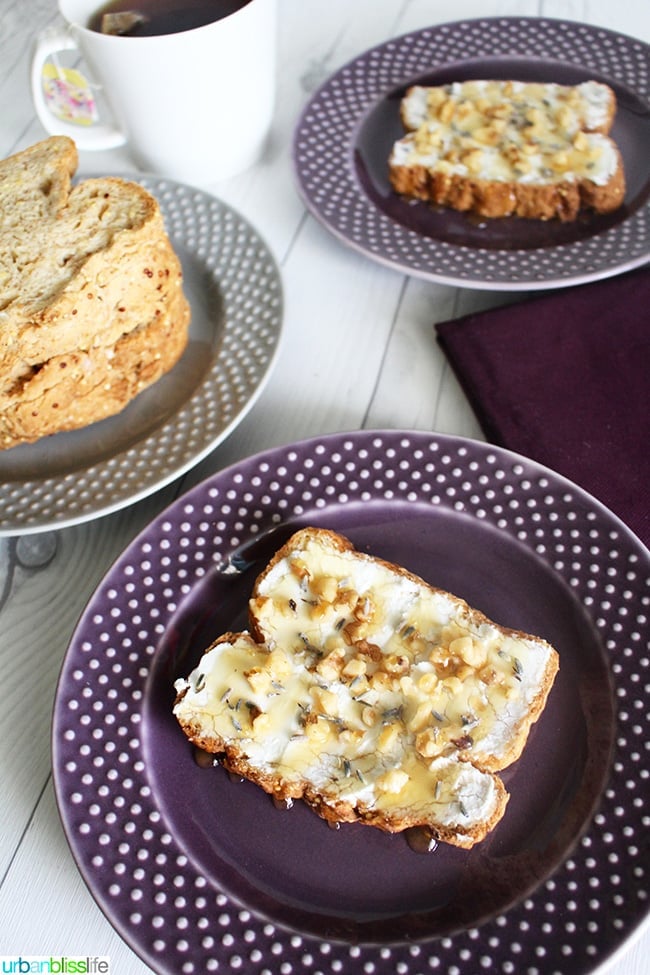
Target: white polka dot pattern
[[325, 147], [238, 266], [178, 919]]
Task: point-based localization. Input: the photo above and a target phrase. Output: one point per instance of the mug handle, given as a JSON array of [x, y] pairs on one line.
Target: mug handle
[[94, 136]]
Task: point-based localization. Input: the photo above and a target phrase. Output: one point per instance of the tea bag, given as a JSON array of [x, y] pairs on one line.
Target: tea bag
[[123, 22]]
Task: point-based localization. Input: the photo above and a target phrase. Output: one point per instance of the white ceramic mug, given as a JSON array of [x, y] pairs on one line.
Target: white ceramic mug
[[195, 106]]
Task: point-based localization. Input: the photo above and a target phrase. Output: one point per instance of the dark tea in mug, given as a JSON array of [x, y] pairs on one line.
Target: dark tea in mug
[[150, 18]]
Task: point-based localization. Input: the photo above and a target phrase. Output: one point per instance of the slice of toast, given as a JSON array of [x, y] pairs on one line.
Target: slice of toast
[[504, 148], [81, 268], [369, 694]]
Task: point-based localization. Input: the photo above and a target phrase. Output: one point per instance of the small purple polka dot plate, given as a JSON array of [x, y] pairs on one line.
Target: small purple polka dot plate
[[344, 137], [199, 872]]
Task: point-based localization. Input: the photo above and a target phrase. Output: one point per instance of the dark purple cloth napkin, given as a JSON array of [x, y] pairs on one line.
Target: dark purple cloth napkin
[[564, 379]]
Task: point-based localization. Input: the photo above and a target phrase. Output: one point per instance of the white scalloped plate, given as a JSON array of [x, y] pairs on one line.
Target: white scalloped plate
[[235, 293]]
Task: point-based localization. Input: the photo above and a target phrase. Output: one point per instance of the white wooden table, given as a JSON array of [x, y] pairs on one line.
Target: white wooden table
[[372, 362]]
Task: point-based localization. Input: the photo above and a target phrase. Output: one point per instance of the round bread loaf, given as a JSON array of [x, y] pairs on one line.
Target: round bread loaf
[[87, 272]]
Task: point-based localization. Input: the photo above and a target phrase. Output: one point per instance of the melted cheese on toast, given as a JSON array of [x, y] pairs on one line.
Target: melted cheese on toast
[[510, 131], [368, 693]]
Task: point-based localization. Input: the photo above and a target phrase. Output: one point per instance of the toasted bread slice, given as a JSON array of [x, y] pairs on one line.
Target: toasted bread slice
[[81, 267], [510, 148], [369, 694]]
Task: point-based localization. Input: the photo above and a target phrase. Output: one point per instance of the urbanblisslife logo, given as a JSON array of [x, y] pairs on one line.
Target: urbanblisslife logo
[[55, 964]]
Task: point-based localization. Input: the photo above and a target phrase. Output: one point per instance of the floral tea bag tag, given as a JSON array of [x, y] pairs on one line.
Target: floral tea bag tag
[[68, 94]]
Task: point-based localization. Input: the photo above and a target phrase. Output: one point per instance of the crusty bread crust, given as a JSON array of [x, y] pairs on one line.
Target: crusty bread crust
[[547, 196], [76, 389], [84, 268], [489, 198], [462, 761]]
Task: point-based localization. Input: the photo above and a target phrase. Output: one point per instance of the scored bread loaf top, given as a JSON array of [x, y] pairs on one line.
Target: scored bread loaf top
[[81, 267], [547, 143], [369, 694]]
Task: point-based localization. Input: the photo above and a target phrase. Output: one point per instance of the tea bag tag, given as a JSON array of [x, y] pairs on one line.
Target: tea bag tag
[[68, 94]]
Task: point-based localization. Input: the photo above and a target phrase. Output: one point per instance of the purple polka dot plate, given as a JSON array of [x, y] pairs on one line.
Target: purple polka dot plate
[[344, 137], [199, 872], [234, 289]]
